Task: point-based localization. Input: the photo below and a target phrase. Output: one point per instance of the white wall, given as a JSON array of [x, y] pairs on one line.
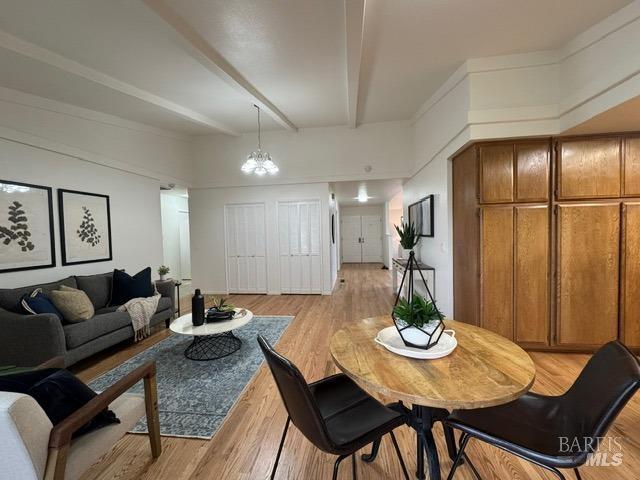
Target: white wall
[[435, 251], [308, 155], [134, 202], [171, 206], [96, 137], [62, 146], [206, 208], [363, 210], [334, 263]]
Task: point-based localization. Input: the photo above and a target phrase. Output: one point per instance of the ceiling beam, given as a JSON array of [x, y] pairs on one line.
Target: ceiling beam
[[210, 58], [35, 52], [354, 24]]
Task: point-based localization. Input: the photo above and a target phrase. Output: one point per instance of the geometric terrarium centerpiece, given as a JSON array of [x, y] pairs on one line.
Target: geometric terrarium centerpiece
[[417, 319]]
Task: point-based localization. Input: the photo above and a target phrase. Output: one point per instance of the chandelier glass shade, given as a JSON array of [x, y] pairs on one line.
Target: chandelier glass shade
[[259, 162]]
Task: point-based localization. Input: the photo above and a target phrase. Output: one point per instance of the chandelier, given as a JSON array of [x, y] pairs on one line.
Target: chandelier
[[259, 162]]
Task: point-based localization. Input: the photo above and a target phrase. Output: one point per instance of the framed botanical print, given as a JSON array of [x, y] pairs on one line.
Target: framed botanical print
[[85, 227], [26, 227]]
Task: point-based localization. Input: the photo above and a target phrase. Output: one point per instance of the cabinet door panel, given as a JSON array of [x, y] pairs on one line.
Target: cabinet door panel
[[531, 275], [466, 237], [588, 273], [496, 173], [496, 284], [532, 172], [589, 168], [631, 185], [631, 275]]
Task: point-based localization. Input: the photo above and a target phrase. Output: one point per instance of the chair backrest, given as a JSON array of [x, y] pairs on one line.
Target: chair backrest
[[605, 385], [25, 431], [297, 397]]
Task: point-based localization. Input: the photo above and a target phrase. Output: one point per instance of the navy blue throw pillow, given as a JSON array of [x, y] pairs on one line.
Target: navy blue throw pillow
[[59, 393], [38, 302], [125, 287]]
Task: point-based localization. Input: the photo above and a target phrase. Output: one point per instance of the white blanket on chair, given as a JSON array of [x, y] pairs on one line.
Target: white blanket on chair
[[141, 310]]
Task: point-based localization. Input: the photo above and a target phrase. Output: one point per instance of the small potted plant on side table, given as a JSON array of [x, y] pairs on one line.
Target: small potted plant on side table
[[163, 270], [409, 238]]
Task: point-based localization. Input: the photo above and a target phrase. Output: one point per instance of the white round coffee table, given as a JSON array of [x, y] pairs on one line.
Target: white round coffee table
[[211, 340]]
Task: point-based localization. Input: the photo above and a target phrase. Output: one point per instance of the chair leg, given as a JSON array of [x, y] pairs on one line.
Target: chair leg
[[370, 457], [577, 473], [463, 444], [336, 466], [353, 466], [400, 459], [451, 441], [284, 435]]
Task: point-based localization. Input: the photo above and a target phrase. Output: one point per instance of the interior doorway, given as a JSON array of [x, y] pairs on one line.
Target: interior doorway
[[174, 208]]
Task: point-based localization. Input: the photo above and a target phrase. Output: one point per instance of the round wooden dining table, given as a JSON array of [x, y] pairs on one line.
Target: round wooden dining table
[[484, 370]]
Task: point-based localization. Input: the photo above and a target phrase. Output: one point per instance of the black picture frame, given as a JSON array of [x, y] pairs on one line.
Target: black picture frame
[[333, 228], [417, 212], [52, 242], [63, 240]]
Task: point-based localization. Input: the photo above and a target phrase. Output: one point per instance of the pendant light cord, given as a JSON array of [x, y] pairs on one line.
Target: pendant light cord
[[259, 139]]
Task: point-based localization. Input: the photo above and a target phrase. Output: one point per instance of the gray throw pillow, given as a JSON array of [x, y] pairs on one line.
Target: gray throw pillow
[[74, 304]]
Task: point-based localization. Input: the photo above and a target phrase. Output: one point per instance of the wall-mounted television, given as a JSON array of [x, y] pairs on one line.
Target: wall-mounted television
[[421, 215]]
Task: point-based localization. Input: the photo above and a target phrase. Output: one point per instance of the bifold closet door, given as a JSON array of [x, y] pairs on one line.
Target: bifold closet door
[[246, 252], [299, 243]]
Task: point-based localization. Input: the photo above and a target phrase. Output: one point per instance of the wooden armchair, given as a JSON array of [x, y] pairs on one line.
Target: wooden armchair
[[39, 450]]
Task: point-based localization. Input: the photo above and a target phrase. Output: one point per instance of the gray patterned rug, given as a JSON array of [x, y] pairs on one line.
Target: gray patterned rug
[[194, 397]]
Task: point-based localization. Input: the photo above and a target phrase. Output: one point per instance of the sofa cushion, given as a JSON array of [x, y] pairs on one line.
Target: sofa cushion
[[38, 302], [97, 288], [10, 298], [104, 310], [125, 287], [59, 393], [73, 303], [164, 303], [77, 334]]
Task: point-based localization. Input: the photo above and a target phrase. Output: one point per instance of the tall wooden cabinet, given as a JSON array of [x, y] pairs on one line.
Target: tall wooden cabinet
[[547, 240]]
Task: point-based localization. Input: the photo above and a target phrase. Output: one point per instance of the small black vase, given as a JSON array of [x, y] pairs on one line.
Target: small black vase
[[197, 309]]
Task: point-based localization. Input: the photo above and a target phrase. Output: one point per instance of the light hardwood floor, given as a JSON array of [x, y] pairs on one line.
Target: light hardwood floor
[[245, 445]]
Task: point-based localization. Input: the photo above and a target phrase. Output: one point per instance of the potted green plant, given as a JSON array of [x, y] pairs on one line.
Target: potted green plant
[[162, 271], [220, 310], [420, 317], [409, 237]]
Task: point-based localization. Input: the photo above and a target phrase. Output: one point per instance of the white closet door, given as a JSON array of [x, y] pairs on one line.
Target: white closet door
[[246, 259], [371, 238], [299, 239], [351, 233]]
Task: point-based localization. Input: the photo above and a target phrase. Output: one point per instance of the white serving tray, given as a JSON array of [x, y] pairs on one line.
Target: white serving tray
[[390, 339]]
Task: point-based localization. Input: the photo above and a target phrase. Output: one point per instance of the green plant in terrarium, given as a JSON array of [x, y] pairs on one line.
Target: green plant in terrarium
[[220, 304], [416, 313], [409, 236]]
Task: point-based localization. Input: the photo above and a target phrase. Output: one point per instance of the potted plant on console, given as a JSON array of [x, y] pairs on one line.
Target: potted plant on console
[[409, 238]]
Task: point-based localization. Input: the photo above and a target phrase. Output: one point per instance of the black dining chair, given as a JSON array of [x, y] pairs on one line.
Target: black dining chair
[[334, 414], [542, 429]]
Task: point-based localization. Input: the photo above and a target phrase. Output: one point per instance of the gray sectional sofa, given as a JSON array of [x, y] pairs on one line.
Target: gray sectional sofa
[[27, 340]]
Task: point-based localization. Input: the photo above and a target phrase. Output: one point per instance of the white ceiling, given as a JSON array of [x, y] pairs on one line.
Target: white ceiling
[[624, 117], [198, 66], [378, 191]]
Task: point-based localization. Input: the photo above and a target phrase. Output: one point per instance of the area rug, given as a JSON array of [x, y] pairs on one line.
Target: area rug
[[194, 397]]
